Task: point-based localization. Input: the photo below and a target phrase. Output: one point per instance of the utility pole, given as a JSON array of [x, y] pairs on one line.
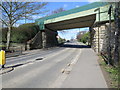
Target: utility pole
[[98, 9], [109, 37]]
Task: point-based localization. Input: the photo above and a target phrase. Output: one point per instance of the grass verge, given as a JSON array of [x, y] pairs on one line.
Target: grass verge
[[112, 74]]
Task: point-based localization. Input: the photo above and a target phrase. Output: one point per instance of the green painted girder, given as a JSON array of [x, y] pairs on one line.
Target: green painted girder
[[77, 12]]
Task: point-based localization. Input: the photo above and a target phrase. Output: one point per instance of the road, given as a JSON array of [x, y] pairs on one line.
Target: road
[[54, 68]]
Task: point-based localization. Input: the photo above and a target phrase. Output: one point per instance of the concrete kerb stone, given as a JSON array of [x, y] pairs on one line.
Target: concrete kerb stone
[[6, 70], [11, 68]]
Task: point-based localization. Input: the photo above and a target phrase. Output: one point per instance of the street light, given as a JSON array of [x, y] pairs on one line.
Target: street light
[[98, 9]]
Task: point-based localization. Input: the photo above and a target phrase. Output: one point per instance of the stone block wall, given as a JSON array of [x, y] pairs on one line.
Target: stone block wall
[[36, 42], [43, 39], [103, 37], [109, 43], [51, 38]]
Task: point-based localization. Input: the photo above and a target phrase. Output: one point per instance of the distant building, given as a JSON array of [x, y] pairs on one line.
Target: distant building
[[79, 35]]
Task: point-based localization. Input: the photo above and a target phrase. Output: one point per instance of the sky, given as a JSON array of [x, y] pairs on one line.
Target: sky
[[68, 34], [71, 34], [65, 5]]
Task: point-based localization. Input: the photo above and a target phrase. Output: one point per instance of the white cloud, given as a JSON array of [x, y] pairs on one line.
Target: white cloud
[[84, 29], [36, 16], [77, 6], [72, 30], [91, 1], [65, 5], [78, 29], [16, 24]]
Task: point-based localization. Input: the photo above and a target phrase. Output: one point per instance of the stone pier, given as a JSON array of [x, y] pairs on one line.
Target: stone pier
[[103, 37], [44, 39]]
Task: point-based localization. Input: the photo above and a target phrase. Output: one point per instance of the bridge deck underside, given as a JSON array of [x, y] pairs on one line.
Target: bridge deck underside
[[80, 22]]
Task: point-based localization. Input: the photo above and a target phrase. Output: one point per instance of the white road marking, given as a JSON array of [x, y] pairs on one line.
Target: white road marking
[[65, 72]]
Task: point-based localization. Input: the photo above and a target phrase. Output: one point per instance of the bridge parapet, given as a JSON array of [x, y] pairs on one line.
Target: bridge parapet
[[77, 12]]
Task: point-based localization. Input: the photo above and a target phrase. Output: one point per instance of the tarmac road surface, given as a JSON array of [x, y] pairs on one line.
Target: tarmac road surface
[[72, 65]]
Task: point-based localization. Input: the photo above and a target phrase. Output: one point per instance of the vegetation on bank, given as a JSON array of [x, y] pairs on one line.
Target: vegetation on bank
[[20, 34], [113, 73], [15, 11], [61, 40]]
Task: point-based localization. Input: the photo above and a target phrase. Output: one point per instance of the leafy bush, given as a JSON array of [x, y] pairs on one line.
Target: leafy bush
[[113, 73], [61, 40], [4, 34], [18, 36], [85, 38], [21, 34]]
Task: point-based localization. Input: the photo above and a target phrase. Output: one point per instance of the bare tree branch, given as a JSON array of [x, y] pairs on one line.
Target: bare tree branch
[[14, 11], [2, 21]]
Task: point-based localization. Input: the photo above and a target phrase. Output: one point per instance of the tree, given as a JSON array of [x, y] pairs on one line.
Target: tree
[[117, 33], [56, 11], [14, 11], [24, 32], [85, 37]]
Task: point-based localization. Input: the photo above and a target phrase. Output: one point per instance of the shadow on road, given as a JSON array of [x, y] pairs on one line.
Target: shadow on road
[[75, 46], [5, 70], [21, 64]]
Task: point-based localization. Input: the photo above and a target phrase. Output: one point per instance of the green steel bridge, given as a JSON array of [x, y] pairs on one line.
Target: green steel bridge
[[84, 16]]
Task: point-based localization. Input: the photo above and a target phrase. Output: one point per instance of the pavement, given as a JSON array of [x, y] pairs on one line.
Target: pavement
[[73, 65], [86, 73]]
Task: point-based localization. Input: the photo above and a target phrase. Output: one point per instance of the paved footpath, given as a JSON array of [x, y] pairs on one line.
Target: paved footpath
[[86, 73]]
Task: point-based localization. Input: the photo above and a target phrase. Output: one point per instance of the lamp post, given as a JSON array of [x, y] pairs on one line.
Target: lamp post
[[98, 9]]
